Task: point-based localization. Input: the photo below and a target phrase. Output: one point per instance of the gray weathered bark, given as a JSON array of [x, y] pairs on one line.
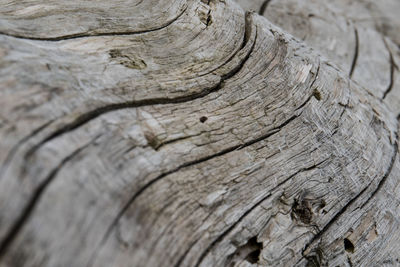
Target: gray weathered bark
[[199, 133]]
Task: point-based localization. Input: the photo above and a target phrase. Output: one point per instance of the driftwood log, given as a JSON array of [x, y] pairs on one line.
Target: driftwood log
[[199, 133]]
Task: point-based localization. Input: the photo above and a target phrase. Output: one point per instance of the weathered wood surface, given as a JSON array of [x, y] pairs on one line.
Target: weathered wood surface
[[193, 133]]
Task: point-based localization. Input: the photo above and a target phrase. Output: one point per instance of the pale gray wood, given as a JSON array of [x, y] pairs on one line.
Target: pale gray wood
[[193, 133]]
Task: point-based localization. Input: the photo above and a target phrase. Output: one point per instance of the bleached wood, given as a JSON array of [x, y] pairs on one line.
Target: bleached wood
[[194, 133]]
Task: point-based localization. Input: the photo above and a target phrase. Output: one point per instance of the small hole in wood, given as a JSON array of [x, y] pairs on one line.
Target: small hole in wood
[[203, 119], [253, 256], [317, 95], [249, 252], [301, 211], [348, 245]]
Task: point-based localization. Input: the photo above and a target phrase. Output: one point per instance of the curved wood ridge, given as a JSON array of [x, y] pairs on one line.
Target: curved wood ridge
[[192, 133]]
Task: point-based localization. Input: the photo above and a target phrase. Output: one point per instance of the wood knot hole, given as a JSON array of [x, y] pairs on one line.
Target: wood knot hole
[[348, 245], [203, 119]]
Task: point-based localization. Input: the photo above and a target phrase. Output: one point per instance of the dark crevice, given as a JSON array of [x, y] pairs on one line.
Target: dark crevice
[[248, 25], [14, 150], [222, 236], [287, 179], [102, 110], [344, 209], [34, 200], [349, 261], [227, 231], [88, 116], [345, 107], [208, 22], [392, 66], [179, 139], [263, 7], [180, 261], [388, 171], [249, 252], [348, 245], [385, 176], [333, 220], [253, 257], [85, 35], [316, 75], [188, 164], [300, 171], [247, 34], [355, 57]]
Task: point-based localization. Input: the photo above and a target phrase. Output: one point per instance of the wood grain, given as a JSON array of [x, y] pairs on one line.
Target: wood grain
[[196, 133]]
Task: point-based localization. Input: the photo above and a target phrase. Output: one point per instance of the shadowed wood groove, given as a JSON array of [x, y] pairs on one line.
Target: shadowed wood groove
[[199, 133]]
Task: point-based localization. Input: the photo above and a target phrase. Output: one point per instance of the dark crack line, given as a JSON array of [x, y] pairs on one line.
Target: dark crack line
[[246, 38], [192, 163], [182, 258], [14, 150], [82, 120], [239, 67], [94, 113], [247, 33], [356, 48], [332, 221], [34, 200], [186, 165], [263, 7], [392, 65], [385, 176], [176, 140], [316, 165], [226, 232], [208, 18], [85, 35], [349, 261], [221, 237], [248, 24], [88, 116], [176, 100], [316, 75], [344, 209], [272, 190], [223, 79]]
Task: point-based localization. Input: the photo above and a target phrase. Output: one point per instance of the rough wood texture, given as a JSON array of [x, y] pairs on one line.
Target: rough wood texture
[[195, 133]]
